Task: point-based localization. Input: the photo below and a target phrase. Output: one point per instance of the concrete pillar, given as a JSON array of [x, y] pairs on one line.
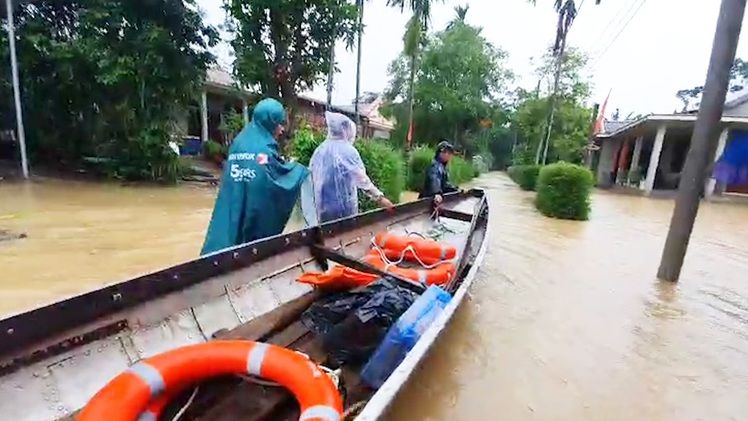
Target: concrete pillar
[[654, 159], [245, 111], [711, 184], [204, 116], [607, 162], [634, 166]]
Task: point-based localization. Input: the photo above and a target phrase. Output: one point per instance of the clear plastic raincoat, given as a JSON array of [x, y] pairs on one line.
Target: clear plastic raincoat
[[338, 171]]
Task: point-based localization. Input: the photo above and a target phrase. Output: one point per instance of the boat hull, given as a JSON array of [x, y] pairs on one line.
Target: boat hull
[[57, 357]]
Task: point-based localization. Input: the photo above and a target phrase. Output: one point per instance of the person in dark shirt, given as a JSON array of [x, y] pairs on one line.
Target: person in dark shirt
[[437, 177]]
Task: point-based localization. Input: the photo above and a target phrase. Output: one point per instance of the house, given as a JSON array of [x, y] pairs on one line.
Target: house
[[647, 155], [222, 95]]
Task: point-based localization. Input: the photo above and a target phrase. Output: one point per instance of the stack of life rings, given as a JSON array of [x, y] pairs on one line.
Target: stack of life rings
[[143, 391], [388, 251]]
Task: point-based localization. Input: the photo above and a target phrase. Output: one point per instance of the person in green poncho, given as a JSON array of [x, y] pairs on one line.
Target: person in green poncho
[[258, 188]]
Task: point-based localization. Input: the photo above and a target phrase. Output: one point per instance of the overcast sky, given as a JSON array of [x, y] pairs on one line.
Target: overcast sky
[[664, 46]]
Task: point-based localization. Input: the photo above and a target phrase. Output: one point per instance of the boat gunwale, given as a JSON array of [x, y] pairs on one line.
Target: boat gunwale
[[30, 328]]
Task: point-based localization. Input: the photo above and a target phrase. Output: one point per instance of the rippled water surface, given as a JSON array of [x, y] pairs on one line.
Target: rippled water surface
[[566, 321]]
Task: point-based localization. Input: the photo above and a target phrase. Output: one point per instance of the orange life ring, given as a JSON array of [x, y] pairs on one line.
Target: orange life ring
[[127, 395], [429, 251], [439, 275]]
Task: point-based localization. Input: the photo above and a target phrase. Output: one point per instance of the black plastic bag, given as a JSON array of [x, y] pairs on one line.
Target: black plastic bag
[[353, 324]]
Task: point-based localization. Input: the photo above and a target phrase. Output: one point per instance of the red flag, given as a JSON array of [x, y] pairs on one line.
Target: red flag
[[600, 123], [410, 133]]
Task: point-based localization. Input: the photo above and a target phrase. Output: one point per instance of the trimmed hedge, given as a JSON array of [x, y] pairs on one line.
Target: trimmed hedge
[[526, 176], [386, 168], [460, 170], [420, 160], [303, 144], [384, 165], [564, 191]]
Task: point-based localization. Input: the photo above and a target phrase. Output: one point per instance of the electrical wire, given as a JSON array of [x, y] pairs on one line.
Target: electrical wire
[[618, 34], [613, 24]]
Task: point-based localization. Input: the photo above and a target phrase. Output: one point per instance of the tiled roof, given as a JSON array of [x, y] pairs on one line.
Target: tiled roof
[[221, 77], [613, 125]]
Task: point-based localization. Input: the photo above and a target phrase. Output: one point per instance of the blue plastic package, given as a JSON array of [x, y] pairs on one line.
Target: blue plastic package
[[404, 335]]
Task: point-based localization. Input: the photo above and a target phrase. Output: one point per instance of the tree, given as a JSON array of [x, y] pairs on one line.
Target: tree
[[460, 83], [567, 12], [415, 31], [282, 47], [570, 127], [112, 77], [738, 80]]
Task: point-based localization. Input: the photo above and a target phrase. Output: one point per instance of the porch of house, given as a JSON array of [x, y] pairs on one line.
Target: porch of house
[[647, 157]]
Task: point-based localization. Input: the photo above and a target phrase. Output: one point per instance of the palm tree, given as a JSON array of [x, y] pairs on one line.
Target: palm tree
[[460, 13], [567, 12], [413, 39]]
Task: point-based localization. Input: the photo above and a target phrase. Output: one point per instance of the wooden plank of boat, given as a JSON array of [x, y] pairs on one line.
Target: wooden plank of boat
[[56, 357]]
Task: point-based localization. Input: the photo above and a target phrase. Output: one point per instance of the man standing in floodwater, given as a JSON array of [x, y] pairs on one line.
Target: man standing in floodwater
[[437, 177], [258, 188]]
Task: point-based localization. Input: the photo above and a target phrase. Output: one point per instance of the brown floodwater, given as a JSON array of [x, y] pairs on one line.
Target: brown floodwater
[[566, 322]]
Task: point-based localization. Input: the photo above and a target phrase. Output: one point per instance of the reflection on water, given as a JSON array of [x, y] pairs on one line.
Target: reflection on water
[[565, 323]]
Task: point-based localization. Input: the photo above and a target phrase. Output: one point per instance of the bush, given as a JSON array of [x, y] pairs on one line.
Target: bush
[[146, 156], [420, 160], [460, 171], [386, 168], [211, 148], [303, 144], [525, 176], [482, 163], [564, 191]]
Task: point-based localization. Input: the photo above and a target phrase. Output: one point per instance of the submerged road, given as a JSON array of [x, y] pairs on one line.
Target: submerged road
[[565, 323]]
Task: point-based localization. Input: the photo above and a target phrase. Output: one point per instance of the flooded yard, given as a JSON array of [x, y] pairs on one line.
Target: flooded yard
[[566, 322]]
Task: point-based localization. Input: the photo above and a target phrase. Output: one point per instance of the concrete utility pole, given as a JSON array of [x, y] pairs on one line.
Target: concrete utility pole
[[17, 89], [704, 140], [360, 4]]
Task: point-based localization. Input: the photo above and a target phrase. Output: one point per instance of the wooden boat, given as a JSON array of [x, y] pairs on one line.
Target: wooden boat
[[53, 359]]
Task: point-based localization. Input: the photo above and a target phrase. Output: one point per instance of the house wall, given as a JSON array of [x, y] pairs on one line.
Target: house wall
[[739, 111], [606, 164]]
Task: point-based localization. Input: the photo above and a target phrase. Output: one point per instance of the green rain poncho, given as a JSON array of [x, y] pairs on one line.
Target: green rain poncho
[[258, 189]]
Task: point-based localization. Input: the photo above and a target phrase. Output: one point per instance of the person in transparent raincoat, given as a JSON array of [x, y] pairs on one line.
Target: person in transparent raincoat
[[338, 171]]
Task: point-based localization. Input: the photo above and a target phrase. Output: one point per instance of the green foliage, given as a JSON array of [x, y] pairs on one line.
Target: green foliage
[[482, 163], [384, 165], [420, 160], [147, 157], [232, 124], [572, 118], [569, 134], [574, 81], [107, 78], [283, 47], [564, 191], [304, 142], [386, 168], [211, 148], [459, 83], [460, 170], [525, 176], [494, 145], [738, 82]]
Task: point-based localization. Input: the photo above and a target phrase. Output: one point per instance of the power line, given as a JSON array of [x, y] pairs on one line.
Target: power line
[[618, 34], [617, 19]]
